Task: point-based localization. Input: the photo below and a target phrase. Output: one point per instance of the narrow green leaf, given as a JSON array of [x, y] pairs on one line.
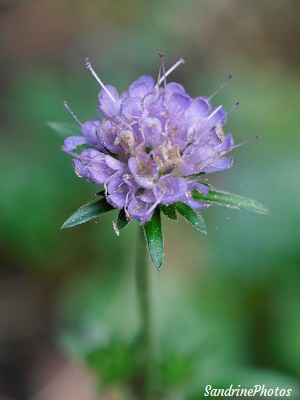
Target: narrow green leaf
[[87, 212], [169, 211], [65, 129], [193, 218], [154, 239], [230, 200], [122, 220]]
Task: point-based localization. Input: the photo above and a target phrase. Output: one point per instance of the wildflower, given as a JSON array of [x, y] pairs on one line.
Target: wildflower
[[151, 145]]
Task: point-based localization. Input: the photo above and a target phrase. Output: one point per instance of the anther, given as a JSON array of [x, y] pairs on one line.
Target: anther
[[179, 62], [220, 87], [233, 107], [71, 112], [88, 65]]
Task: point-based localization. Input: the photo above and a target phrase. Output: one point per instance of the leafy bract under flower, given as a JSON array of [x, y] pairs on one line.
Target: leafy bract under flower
[[150, 146]]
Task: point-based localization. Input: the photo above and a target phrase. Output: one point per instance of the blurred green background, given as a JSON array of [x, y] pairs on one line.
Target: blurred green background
[[226, 307]]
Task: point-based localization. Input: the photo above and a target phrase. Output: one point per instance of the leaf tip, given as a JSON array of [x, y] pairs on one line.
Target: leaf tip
[[158, 266]]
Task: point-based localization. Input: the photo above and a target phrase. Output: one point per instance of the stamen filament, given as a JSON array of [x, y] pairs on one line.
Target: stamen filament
[[149, 211], [220, 87], [247, 141], [159, 80], [206, 131], [162, 57], [71, 112], [88, 65], [216, 110], [179, 62]]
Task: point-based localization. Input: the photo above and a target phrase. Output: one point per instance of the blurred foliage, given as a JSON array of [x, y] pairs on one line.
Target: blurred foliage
[[226, 306]]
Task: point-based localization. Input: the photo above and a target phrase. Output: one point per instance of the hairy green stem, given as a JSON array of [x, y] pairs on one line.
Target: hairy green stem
[[143, 297]]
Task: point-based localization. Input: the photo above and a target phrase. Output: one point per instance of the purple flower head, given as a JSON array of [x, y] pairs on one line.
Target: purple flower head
[[151, 145]]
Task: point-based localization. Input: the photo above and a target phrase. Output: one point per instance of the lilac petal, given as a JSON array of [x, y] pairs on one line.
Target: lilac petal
[[217, 115], [226, 145], [116, 199], [80, 169], [178, 133], [139, 209], [179, 102], [113, 163], [171, 88], [209, 139], [148, 196], [130, 181], [170, 189], [98, 169], [118, 192], [87, 154], [90, 130], [132, 108], [155, 107], [141, 87], [195, 159], [198, 186], [152, 130], [107, 106], [72, 142], [144, 170], [192, 203], [108, 137], [198, 109], [185, 168], [218, 164]]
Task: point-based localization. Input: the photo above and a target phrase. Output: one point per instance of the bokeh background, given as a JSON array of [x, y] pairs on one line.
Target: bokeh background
[[226, 307]]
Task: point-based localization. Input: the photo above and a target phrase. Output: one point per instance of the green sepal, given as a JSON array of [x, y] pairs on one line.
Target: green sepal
[[191, 216], [122, 220], [230, 200], [154, 238], [169, 211], [65, 129], [87, 212]]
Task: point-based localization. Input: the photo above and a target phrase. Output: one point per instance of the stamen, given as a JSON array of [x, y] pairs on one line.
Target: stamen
[[128, 216], [88, 65], [220, 87], [162, 57], [219, 121], [155, 204], [71, 112], [216, 110], [247, 141], [179, 62], [228, 112], [233, 107], [159, 79]]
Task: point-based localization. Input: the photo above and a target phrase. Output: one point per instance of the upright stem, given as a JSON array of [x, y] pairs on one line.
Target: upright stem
[[143, 296]]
